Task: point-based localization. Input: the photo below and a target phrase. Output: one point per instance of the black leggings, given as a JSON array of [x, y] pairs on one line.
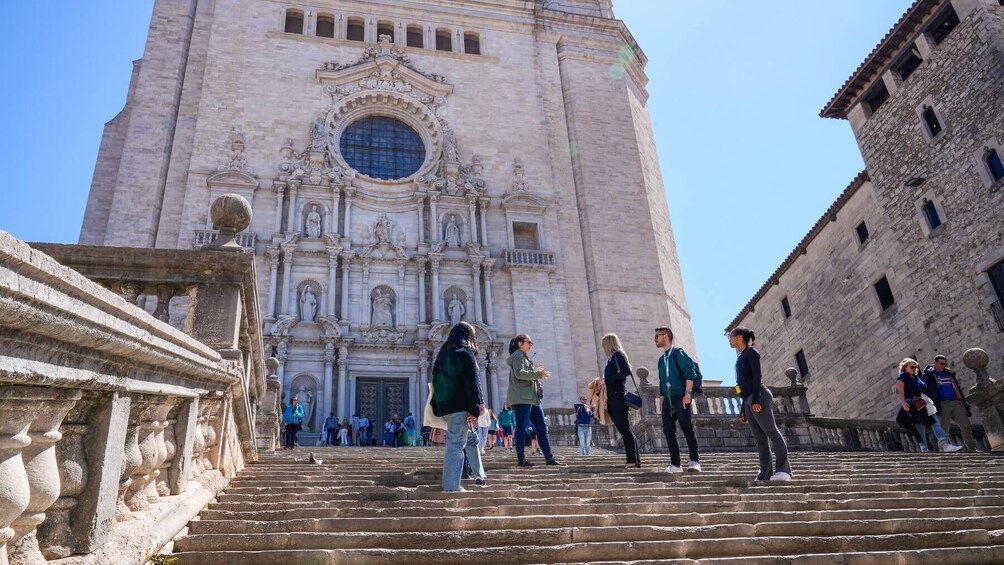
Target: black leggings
[[618, 412]]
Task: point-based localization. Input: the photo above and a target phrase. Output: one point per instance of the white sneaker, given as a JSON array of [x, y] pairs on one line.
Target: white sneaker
[[674, 469], [780, 476], [694, 467], [950, 447]]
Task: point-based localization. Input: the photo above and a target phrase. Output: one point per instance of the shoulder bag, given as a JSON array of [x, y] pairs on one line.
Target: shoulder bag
[[631, 399]]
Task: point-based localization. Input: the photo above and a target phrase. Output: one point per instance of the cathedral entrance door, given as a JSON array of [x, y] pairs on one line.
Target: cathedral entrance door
[[379, 399]]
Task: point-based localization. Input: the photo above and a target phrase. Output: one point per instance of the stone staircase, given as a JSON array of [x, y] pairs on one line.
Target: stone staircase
[[377, 505]]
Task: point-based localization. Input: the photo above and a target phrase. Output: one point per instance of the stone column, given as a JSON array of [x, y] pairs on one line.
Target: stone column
[[483, 378], [343, 382], [473, 223], [399, 303], [493, 381], [367, 304], [423, 380], [483, 204], [347, 228], [437, 300], [279, 189], [476, 277], [287, 272], [282, 355], [434, 219], [420, 198], [336, 197], [291, 223], [332, 280], [329, 397], [346, 267], [489, 306], [273, 254], [420, 261]]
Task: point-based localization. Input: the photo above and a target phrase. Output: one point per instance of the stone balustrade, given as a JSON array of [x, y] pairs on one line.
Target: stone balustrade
[[529, 258], [115, 427], [205, 237]]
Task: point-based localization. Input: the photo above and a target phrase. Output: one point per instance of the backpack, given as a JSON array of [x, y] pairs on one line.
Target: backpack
[[698, 388]]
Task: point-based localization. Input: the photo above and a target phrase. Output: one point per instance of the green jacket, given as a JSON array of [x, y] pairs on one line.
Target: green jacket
[[522, 375], [672, 381]]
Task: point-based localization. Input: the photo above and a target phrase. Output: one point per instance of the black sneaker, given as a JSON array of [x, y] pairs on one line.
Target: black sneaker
[[555, 462], [524, 464], [481, 482]]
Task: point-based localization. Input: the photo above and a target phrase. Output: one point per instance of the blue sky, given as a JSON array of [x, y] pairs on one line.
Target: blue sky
[[735, 92]]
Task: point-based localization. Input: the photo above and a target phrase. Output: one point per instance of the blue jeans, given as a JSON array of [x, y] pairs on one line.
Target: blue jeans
[[459, 440], [364, 437], [585, 439], [525, 415], [939, 432], [482, 437]]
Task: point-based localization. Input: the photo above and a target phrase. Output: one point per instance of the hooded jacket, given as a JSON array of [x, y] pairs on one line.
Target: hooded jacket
[[522, 376]]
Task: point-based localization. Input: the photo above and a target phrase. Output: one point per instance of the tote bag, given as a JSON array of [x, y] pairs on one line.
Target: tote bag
[[431, 419]]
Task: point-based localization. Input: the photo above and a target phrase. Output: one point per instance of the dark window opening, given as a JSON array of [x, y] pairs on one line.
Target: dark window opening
[[385, 28], [325, 26], [907, 64], [993, 163], [472, 45], [931, 214], [877, 96], [943, 25], [356, 30], [415, 37], [803, 365], [524, 236], [884, 292], [862, 231], [294, 22], [931, 121], [444, 40], [996, 274], [382, 148], [786, 307]]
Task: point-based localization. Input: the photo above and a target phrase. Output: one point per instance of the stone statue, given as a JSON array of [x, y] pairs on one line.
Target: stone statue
[[380, 232], [382, 316], [318, 135], [452, 232], [450, 150], [455, 310], [313, 222], [306, 399], [308, 305]]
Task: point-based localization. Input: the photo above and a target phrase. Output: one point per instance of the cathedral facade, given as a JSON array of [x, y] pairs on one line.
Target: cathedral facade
[[409, 166]]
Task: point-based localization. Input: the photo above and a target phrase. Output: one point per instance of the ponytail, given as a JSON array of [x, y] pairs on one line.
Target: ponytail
[[516, 341], [747, 334]]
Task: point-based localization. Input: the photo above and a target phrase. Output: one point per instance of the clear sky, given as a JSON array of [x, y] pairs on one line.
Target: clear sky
[[736, 88]]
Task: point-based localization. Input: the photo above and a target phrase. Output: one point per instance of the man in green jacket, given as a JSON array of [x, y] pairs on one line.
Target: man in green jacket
[[676, 380]]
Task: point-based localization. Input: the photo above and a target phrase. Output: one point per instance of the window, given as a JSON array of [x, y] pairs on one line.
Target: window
[[931, 214], [862, 231], [294, 21], [325, 26], [996, 275], [524, 235], [415, 37], [907, 63], [786, 307], [993, 162], [803, 365], [356, 30], [943, 24], [876, 96], [382, 148], [444, 40], [472, 44], [931, 121], [385, 28], [884, 292]]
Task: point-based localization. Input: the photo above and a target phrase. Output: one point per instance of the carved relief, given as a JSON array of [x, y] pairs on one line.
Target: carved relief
[[236, 161], [519, 183], [383, 307]]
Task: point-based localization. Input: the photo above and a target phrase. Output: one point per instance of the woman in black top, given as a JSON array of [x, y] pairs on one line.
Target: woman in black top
[[614, 376], [757, 408]]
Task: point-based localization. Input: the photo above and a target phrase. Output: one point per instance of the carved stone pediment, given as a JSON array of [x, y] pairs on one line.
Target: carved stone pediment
[[383, 335], [383, 68], [282, 325], [439, 332], [232, 179], [525, 202], [330, 328]]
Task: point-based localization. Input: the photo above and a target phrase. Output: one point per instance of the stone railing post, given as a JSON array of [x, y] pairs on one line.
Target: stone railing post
[[15, 493], [987, 396]]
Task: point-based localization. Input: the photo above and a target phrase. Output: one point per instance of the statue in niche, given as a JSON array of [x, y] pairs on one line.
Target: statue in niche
[[380, 232], [452, 237], [306, 399], [382, 315], [318, 135], [308, 305], [313, 222], [456, 310]]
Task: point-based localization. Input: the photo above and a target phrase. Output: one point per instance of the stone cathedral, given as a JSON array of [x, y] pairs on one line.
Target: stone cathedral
[[409, 165]]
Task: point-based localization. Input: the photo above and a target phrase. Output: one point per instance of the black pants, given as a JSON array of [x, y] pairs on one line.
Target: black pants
[[618, 412], [331, 435], [673, 412], [291, 430]]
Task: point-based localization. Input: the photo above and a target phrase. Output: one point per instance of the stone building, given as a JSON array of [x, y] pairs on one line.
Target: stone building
[[909, 260], [409, 165]]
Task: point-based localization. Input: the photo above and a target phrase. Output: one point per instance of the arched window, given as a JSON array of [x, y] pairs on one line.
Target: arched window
[[383, 148], [325, 25], [386, 28], [415, 36], [932, 122], [356, 30], [472, 43], [931, 213], [444, 40], [994, 166], [294, 21]]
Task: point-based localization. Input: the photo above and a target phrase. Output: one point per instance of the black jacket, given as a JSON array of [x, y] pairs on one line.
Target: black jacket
[[456, 383], [934, 391], [616, 372], [748, 375]]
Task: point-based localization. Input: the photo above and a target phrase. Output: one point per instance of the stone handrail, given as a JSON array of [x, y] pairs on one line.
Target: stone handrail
[[205, 237], [117, 428], [528, 258]]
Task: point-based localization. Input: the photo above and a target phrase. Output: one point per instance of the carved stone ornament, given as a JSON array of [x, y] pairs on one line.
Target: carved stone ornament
[[381, 237], [282, 325], [453, 177], [236, 161], [330, 327], [383, 335], [519, 183]]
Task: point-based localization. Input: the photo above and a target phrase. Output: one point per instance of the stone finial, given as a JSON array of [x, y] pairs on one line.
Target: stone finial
[[642, 373], [977, 360], [272, 366], [792, 375], [231, 214]]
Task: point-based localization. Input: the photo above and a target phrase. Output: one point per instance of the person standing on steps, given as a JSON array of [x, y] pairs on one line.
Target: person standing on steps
[[364, 430], [913, 410], [677, 374], [524, 395], [758, 408], [493, 428], [943, 388], [584, 426], [615, 375], [505, 424], [330, 425], [343, 432], [293, 418], [457, 399]]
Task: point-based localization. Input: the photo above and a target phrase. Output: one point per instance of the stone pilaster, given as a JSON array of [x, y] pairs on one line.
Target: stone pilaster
[[421, 261], [279, 188], [472, 222], [346, 271], [291, 223], [437, 300], [483, 203], [336, 197], [489, 302], [347, 228], [329, 360], [274, 257], [434, 217], [420, 199], [287, 277], [332, 280], [476, 289], [343, 381]]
